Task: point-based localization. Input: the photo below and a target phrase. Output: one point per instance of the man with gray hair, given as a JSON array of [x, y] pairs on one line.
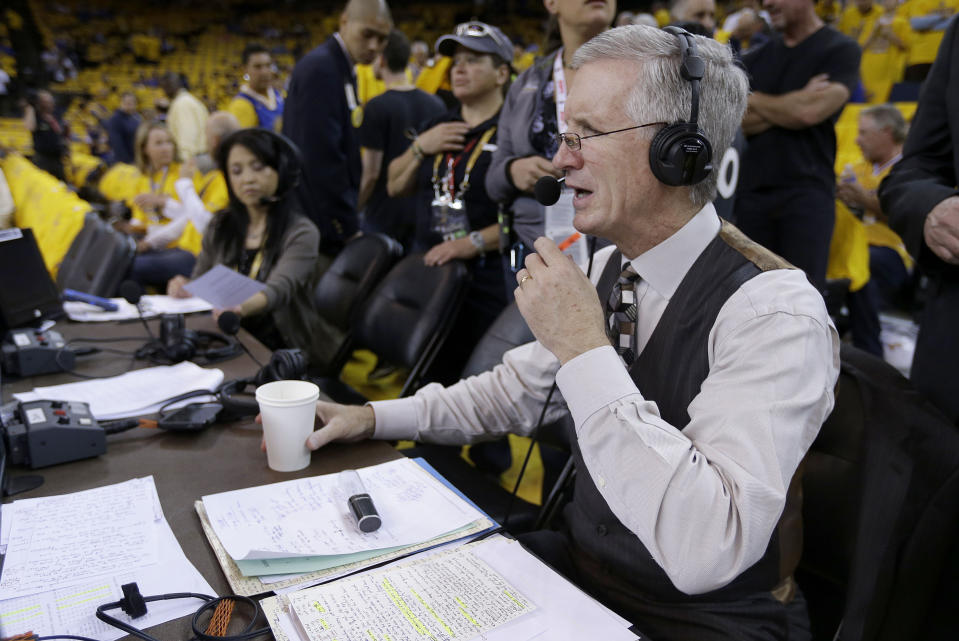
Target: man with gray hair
[[696, 380]]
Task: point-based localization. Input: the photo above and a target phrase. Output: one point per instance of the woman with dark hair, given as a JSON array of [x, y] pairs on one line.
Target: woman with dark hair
[[262, 235], [445, 167]]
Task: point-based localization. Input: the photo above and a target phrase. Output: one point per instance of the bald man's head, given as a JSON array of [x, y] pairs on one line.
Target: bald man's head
[[365, 26], [219, 125]]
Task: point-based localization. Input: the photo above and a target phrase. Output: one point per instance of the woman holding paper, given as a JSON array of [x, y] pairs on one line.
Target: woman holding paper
[[263, 236]]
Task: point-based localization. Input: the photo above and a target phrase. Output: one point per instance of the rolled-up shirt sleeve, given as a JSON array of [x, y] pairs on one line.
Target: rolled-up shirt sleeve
[[507, 399], [705, 500]]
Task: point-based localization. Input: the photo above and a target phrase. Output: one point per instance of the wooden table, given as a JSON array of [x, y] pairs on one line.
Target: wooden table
[[185, 466]]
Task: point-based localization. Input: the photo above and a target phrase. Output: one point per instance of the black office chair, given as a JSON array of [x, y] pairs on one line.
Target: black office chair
[[406, 320], [348, 282], [881, 512], [97, 260]]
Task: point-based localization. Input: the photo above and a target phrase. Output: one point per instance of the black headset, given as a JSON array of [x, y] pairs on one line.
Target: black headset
[[680, 154], [177, 343], [284, 365], [289, 159]]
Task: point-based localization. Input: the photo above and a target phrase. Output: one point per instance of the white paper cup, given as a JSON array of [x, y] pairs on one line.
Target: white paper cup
[[287, 409]]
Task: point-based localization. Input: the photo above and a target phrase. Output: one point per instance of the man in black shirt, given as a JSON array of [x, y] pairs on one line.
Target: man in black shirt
[[389, 123], [800, 82]]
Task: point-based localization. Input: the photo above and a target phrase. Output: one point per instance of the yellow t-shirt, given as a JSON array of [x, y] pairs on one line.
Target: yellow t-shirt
[[883, 61], [435, 77], [858, 25], [162, 182], [925, 44], [244, 111], [851, 238]]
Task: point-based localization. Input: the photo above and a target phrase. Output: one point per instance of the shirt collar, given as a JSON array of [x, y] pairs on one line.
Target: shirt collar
[[665, 265], [346, 52]]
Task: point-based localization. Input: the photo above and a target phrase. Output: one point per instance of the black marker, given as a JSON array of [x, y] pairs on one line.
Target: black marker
[[360, 502]]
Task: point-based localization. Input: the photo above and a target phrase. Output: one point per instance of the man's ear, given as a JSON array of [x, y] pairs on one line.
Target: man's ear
[[550, 6]]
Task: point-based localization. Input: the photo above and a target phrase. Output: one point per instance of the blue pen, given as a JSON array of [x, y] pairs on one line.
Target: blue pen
[[103, 303]]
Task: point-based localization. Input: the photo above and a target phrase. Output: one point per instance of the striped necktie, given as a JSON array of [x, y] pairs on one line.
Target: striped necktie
[[621, 315]]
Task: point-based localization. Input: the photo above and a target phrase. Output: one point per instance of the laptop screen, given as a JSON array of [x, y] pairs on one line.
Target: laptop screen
[[27, 293]]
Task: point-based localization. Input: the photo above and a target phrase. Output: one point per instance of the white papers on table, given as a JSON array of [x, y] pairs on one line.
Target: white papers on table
[[310, 517], [151, 305], [223, 287], [62, 540], [135, 393], [72, 610], [391, 603]]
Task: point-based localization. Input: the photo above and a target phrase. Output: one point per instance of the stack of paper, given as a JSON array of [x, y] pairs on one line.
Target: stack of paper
[[150, 306], [288, 534], [136, 393], [66, 555], [491, 589]]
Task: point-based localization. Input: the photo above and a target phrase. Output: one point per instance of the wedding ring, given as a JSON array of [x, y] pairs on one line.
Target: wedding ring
[[525, 278]]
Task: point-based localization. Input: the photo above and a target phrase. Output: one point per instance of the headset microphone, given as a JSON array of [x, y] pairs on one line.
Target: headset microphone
[[268, 200], [546, 190], [229, 324]]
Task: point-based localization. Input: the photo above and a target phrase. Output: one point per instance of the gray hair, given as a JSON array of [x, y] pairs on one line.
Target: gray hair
[[888, 117], [662, 94]]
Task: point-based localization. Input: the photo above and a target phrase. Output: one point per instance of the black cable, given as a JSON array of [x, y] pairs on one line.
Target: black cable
[[534, 435], [64, 636], [532, 443], [211, 603]]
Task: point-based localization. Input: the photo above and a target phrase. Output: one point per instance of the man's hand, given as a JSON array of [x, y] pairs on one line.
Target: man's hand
[[447, 136], [559, 303], [526, 171], [852, 194], [941, 230], [343, 423], [450, 250]]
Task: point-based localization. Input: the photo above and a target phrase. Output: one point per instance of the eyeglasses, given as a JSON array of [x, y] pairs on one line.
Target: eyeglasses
[[478, 30], [574, 142]]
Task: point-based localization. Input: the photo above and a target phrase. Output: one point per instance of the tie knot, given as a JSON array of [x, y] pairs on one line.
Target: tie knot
[[628, 275]]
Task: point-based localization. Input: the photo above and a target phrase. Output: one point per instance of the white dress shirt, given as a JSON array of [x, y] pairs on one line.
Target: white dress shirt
[[705, 500]]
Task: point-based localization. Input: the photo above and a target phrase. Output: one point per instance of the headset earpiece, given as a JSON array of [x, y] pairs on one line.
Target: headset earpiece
[[680, 154], [284, 365]]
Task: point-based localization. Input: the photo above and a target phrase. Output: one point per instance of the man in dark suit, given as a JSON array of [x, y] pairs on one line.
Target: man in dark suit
[[921, 198], [321, 115]]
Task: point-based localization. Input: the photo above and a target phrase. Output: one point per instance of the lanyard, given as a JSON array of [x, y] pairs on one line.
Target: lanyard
[[257, 263], [559, 91], [449, 181]]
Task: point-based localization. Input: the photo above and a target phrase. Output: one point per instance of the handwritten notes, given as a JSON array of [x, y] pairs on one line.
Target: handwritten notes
[[309, 517], [445, 596], [59, 541]]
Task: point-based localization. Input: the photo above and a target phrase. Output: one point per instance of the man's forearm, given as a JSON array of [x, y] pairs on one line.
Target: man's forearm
[[799, 109], [754, 124]]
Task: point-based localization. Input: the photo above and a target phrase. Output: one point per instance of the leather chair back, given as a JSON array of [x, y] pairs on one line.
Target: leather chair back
[[408, 316], [98, 259], [881, 511], [351, 277]]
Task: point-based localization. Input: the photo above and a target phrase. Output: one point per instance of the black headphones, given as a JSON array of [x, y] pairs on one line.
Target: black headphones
[[289, 159], [680, 154], [284, 365], [177, 343]]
